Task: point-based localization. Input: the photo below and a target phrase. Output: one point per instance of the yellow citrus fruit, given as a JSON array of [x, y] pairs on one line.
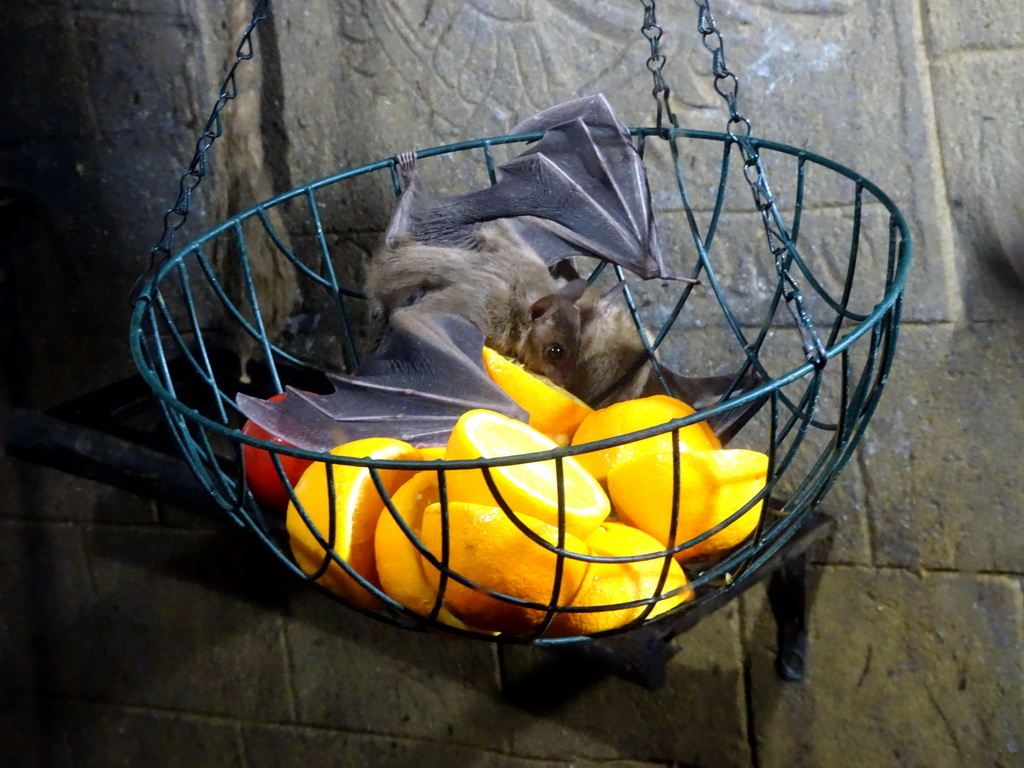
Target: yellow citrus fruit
[[356, 510], [528, 489], [432, 452], [485, 546], [613, 583], [398, 561], [713, 485], [630, 416], [554, 411]]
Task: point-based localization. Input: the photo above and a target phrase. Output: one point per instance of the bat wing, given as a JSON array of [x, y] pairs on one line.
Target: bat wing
[[427, 372], [605, 209], [581, 188], [706, 391]]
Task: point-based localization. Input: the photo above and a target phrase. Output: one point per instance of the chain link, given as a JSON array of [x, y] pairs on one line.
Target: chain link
[[175, 217], [655, 64], [727, 85]]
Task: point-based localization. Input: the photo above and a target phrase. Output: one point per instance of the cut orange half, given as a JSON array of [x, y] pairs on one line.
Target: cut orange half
[[630, 416], [554, 411], [485, 546], [607, 584], [713, 485], [398, 561], [357, 507], [530, 488]]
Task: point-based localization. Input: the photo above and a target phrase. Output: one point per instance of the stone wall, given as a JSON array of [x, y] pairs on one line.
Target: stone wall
[[132, 632]]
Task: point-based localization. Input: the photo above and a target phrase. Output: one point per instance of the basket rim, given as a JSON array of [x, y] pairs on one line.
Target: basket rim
[[144, 302]]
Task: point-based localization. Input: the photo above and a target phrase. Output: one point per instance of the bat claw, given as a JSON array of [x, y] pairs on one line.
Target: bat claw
[[681, 279], [406, 162]]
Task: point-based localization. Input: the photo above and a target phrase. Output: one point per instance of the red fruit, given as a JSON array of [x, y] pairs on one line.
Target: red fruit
[[260, 472]]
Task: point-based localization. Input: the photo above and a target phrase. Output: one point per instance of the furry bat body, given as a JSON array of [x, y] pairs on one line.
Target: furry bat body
[[580, 189], [457, 271], [498, 284], [614, 365]]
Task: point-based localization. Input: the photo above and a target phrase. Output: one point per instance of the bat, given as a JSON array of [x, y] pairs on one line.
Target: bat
[[427, 371], [497, 283], [459, 271], [614, 365], [580, 189]]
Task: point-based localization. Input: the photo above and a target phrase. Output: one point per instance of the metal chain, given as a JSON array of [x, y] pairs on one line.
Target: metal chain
[[656, 63], [727, 85], [175, 217]]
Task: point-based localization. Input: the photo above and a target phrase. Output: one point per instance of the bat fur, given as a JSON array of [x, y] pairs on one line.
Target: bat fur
[[457, 272], [499, 284]]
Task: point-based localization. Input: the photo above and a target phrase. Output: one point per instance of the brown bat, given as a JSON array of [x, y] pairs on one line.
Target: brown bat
[[615, 365], [580, 189], [499, 284]]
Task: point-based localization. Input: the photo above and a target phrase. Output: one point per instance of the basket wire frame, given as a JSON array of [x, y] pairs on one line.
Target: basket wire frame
[[169, 321]]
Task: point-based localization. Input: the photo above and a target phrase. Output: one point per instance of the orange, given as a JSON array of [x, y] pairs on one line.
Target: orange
[[630, 416], [529, 488], [486, 547], [611, 583], [554, 411], [398, 561], [356, 510], [713, 485]]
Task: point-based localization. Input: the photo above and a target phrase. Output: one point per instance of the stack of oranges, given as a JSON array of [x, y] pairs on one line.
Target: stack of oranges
[[493, 550]]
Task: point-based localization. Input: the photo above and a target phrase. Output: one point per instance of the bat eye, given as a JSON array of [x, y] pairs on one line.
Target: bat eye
[[554, 352]]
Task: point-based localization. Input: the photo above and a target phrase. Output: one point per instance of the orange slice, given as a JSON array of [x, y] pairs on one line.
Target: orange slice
[[356, 510], [486, 547], [630, 416], [398, 561], [612, 583], [531, 488], [713, 485], [554, 411]]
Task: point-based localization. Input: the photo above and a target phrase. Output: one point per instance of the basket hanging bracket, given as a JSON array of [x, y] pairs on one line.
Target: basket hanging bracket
[[176, 216], [738, 128]]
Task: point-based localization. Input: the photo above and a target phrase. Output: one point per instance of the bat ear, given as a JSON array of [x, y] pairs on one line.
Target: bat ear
[[608, 299], [542, 306], [573, 290]]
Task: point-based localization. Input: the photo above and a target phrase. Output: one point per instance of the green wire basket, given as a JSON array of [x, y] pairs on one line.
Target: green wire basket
[[838, 267], [815, 414]]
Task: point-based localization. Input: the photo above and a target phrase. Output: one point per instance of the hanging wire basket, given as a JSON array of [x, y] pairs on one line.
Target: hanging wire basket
[[837, 236]]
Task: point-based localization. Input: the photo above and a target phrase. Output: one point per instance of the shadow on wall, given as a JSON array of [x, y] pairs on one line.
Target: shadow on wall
[[189, 621]]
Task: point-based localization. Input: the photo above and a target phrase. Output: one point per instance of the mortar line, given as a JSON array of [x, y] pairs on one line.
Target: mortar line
[[924, 571], [289, 671], [327, 729], [243, 754], [869, 492], [940, 190], [969, 53], [746, 658]]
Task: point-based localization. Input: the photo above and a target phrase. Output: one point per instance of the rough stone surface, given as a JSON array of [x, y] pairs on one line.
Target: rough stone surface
[[29, 736], [435, 688], [44, 579], [952, 29], [138, 634], [285, 747], [612, 718], [921, 670], [982, 168], [102, 736], [944, 486], [180, 620]]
